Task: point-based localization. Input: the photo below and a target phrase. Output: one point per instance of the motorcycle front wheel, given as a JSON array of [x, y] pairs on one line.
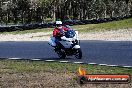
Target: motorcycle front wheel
[[78, 54]]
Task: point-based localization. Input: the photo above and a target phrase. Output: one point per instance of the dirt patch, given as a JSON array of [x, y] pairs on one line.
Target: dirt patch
[[36, 80], [113, 35], [49, 80]]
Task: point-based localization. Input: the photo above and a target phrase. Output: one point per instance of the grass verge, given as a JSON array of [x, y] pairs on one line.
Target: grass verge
[[37, 66], [40, 74], [114, 25]]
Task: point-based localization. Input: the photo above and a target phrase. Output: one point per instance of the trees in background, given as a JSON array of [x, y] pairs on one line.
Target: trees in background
[[32, 11]]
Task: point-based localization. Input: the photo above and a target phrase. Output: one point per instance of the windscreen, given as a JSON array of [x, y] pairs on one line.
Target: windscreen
[[70, 34]]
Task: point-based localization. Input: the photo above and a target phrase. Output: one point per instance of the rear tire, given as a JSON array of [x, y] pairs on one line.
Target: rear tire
[[61, 54], [78, 54]]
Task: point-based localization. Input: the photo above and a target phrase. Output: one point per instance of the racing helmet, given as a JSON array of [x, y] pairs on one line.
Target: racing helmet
[[58, 23]]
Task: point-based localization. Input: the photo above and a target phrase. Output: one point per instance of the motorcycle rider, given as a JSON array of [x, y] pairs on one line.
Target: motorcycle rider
[[58, 32]]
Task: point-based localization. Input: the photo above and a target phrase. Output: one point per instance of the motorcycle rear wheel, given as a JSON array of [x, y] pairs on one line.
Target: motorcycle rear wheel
[[61, 54]]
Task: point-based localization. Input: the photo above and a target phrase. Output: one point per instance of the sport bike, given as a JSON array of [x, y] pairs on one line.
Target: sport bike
[[68, 46]]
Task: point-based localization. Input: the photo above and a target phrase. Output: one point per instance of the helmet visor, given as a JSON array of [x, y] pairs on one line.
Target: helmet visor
[[58, 25]]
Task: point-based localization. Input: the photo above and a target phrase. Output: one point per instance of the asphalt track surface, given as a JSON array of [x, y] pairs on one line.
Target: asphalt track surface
[[100, 52]]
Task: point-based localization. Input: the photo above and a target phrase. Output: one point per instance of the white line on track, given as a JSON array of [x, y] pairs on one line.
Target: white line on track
[[14, 58]]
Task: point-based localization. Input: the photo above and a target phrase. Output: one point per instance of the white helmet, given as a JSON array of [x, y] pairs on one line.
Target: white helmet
[[58, 23]]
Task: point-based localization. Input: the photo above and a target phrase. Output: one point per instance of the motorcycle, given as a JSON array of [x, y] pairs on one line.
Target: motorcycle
[[69, 44]]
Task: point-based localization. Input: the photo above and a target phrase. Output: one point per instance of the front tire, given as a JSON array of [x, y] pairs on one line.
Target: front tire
[[78, 54]]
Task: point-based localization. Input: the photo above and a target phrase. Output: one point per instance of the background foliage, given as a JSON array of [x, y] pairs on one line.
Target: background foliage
[[32, 11]]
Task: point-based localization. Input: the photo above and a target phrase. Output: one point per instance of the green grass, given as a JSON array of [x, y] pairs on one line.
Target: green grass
[[16, 66], [114, 25]]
